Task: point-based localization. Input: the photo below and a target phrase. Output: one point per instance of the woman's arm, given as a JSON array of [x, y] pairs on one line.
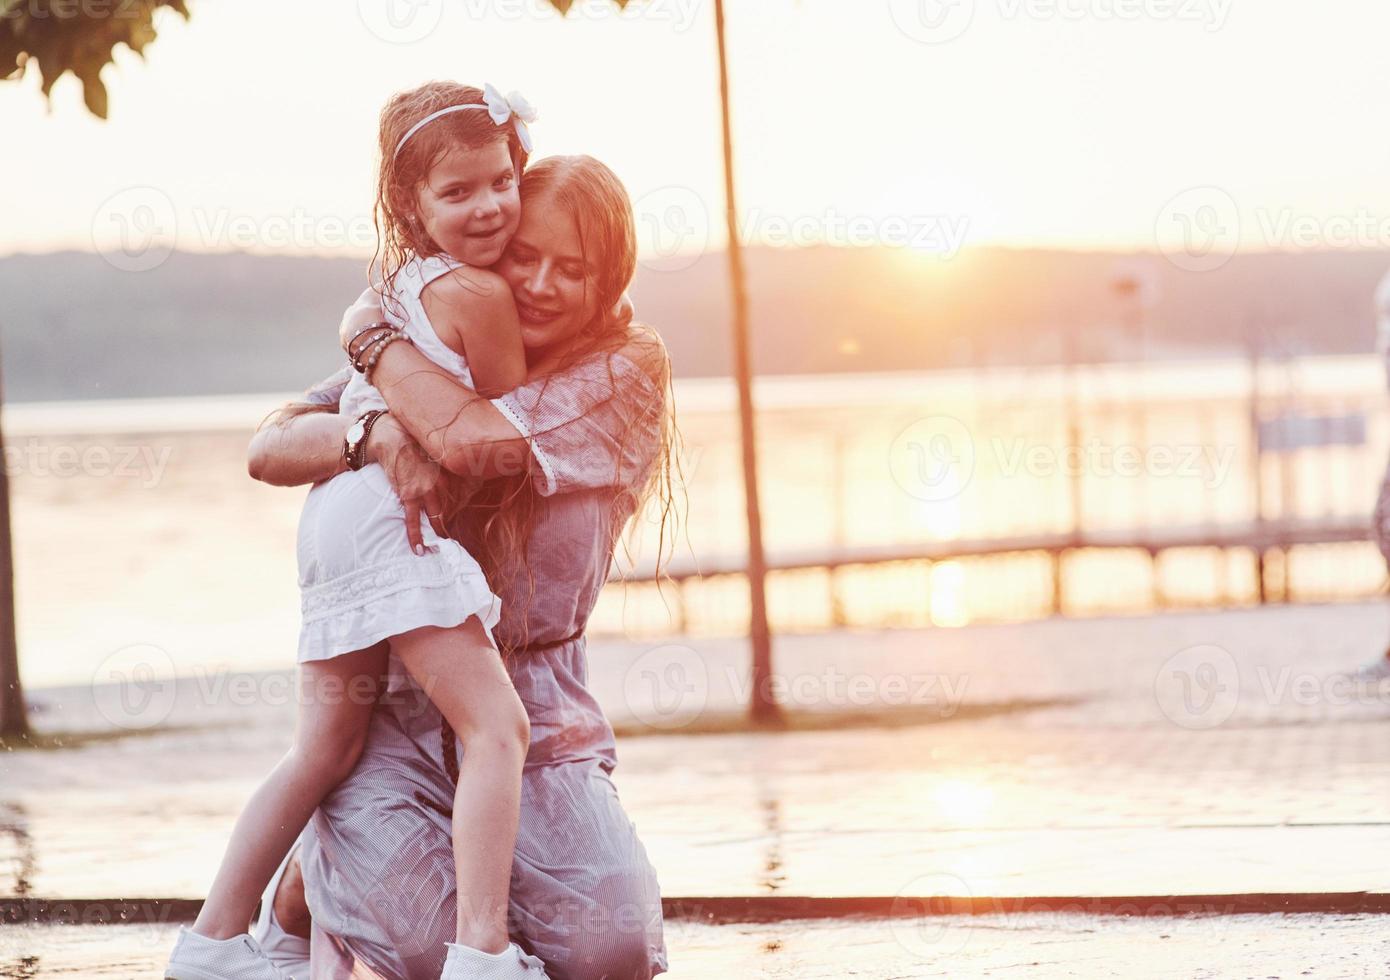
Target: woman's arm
[[305, 449], [308, 448], [464, 432], [468, 435], [457, 427], [288, 458]]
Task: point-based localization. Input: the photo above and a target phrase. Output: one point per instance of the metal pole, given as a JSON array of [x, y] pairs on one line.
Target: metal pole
[[1256, 455], [763, 706], [13, 715]]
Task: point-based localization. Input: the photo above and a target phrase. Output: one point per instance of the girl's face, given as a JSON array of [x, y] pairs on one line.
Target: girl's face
[[552, 286], [469, 203]]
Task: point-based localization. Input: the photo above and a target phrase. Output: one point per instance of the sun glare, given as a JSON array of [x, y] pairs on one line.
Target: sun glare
[[961, 801], [947, 594]]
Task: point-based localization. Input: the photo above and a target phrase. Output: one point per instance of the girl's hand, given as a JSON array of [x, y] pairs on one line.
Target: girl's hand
[[365, 311], [413, 475]]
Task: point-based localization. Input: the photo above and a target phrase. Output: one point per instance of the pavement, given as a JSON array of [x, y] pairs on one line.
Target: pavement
[[1210, 763], [1324, 947]]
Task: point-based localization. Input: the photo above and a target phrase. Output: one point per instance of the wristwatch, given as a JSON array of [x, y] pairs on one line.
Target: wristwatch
[[355, 442]]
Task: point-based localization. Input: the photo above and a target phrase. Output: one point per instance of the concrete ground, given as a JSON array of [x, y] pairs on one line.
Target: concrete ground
[[1244, 947], [1199, 755]]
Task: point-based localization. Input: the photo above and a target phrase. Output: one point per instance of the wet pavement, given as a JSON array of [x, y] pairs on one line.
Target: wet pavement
[[1205, 754], [1334, 947]]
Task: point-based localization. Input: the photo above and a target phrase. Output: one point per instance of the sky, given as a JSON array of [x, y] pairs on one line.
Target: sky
[[929, 125]]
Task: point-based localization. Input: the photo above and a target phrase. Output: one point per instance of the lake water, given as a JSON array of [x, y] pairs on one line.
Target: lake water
[[136, 524]]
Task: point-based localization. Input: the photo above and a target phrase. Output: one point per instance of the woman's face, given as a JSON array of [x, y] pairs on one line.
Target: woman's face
[[553, 288], [469, 203]]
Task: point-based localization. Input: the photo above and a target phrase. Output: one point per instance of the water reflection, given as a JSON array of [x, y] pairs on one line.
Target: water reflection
[[14, 828], [771, 877], [24, 968]]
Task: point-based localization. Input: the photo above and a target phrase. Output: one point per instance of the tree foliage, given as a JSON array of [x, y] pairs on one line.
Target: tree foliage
[[78, 36]]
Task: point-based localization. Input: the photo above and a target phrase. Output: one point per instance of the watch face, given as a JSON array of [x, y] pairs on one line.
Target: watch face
[[354, 434]]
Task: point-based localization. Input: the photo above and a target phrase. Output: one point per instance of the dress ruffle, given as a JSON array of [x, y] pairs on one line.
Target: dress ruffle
[[368, 605]]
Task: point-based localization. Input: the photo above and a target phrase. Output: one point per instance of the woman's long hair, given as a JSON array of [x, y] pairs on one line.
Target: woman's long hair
[[593, 196]]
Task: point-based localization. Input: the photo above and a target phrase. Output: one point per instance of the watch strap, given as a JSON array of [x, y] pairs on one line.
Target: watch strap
[[355, 452]]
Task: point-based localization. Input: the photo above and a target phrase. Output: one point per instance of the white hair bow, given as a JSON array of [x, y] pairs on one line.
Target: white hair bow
[[502, 107]]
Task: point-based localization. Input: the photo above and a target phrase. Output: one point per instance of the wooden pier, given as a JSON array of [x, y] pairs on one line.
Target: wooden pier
[[1262, 538]]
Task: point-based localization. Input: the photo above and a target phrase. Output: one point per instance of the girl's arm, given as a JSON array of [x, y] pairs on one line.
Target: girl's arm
[[474, 308]]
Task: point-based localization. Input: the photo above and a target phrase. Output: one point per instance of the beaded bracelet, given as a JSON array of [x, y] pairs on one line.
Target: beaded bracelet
[[364, 355], [357, 355], [376, 342], [358, 358], [375, 355], [381, 345]]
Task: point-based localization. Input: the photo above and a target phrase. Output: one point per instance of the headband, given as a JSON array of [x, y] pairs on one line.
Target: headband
[[501, 108]]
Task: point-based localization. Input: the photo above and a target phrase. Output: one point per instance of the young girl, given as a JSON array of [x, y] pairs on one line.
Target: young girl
[[447, 205]]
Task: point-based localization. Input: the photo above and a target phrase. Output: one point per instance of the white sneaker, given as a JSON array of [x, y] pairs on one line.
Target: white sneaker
[[467, 963], [1375, 672], [288, 952], [197, 957]]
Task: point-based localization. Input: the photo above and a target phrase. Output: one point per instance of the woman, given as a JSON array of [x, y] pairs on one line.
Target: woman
[[564, 461]]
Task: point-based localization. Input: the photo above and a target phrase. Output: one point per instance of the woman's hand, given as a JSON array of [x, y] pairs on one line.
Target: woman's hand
[[364, 311], [414, 476]]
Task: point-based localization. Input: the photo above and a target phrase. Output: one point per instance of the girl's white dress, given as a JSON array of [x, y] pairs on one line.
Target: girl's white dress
[[359, 581]]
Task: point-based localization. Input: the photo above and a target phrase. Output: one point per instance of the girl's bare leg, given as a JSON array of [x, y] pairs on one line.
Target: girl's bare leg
[[335, 704], [464, 676]]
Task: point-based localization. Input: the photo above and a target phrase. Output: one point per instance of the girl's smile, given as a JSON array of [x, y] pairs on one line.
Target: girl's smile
[[469, 206]]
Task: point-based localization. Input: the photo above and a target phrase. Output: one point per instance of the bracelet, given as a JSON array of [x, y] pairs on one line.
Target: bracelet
[[381, 345], [367, 358], [357, 358], [371, 326]]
